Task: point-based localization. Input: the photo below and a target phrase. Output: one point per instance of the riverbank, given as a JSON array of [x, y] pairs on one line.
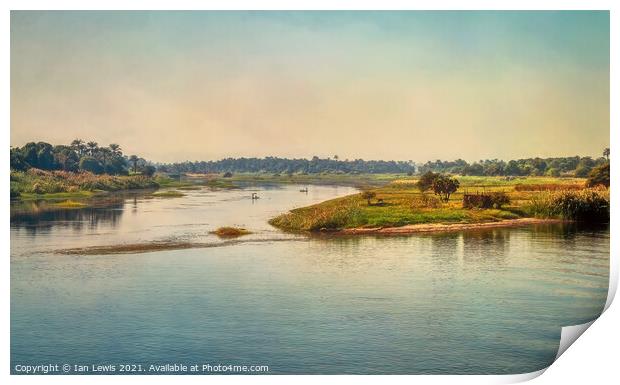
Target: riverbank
[[400, 204], [36, 184], [439, 227]]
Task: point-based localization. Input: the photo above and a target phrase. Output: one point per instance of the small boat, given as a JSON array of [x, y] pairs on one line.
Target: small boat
[[304, 190], [255, 196]]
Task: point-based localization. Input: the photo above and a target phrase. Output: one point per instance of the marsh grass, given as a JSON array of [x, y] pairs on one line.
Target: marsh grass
[[36, 183], [589, 205], [230, 232], [70, 204], [168, 194]]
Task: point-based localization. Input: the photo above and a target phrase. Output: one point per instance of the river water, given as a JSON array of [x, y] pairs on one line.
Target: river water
[[473, 302]]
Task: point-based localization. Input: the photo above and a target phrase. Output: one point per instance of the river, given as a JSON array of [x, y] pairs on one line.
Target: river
[[472, 302]]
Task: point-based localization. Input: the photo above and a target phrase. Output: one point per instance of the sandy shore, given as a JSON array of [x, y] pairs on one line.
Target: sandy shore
[[438, 227]]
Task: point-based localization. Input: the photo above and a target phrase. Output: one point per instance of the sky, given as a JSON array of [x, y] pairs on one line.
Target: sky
[[174, 86]]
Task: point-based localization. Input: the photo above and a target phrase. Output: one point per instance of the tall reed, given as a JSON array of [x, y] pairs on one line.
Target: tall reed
[[587, 205]]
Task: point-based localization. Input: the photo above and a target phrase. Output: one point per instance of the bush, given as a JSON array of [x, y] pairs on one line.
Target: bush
[[426, 181], [485, 201], [599, 176], [230, 232], [45, 182], [588, 205], [368, 195], [90, 164], [499, 199]]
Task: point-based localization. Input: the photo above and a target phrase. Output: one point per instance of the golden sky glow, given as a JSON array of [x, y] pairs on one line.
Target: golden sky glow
[[173, 86]]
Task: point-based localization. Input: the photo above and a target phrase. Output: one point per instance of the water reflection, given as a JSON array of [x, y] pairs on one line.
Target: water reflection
[[36, 217], [475, 302]]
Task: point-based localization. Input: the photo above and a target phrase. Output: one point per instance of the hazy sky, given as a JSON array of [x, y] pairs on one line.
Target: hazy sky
[[173, 86]]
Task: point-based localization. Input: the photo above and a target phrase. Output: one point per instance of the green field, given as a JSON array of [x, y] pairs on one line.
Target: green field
[[400, 203]]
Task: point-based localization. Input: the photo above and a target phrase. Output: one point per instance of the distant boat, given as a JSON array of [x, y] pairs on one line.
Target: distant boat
[[304, 190], [255, 196]]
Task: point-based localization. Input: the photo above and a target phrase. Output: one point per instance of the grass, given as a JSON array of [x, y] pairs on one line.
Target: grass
[[58, 196], [230, 232], [403, 204], [69, 204], [168, 194], [590, 205], [40, 184]]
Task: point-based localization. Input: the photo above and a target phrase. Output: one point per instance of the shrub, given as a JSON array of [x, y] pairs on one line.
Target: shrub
[[45, 182], [368, 195], [426, 181], [499, 198], [230, 232], [599, 176], [485, 201], [588, 205]]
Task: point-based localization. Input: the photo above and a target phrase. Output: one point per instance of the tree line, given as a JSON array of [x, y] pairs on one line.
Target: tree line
[[277, 165], [78, 156], [89, 156], [561, 166]]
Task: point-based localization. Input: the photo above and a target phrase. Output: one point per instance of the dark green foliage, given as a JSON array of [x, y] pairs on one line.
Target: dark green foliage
[[575, 165], [588, 205], [75, 157], [148, 170], [90, 164], [477, 201], [426, 181], [444, 186], [599, 176], [274, 165], [485, 201]]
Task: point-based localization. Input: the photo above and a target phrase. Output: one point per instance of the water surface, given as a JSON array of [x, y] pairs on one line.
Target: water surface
[[475, 302]]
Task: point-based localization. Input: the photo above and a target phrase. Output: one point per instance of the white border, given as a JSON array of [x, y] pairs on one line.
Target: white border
[[595, 350]]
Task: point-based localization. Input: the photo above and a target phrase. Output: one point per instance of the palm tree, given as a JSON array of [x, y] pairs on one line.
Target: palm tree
[[105, 154], [134, 159], [92, 147], [78, 146], [606, 153], [116, 149]]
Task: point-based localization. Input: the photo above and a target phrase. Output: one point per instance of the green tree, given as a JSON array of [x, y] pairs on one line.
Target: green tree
[[606, 153], [17, 160], [444, 186], [134, 161], [426, 181], [92, 148], [599, 176], [29, 154], [78, 146], [88, 163], [116, 149]]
